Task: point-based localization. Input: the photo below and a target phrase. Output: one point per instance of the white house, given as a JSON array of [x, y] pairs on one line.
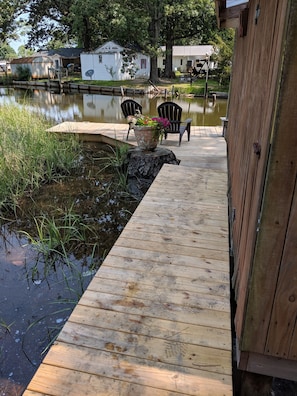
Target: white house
[[4, 66], [105, 63], [185, 57]]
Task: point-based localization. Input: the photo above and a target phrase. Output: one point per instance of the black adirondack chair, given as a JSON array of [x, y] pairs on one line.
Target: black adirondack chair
[[129, 108], [173, 112]]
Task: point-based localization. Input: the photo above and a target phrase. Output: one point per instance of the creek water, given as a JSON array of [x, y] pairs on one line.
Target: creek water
[[106, 108], [36, 298]]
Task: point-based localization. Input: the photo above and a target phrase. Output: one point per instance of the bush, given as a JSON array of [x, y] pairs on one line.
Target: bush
[[23, 73]]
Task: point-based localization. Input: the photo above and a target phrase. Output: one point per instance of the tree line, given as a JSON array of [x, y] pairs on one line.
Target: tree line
[[137, 24]]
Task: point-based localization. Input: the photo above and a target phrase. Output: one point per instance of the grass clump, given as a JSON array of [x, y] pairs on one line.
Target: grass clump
[[29, 155], [57, 236]]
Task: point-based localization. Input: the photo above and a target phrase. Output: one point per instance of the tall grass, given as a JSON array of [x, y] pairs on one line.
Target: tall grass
[[57, 238], [29, 155], [118, 162]]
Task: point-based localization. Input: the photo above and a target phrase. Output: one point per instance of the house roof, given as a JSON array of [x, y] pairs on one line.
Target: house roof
[[30, 59], [112, 47], [109, 47], [68, 53], [199, 51]]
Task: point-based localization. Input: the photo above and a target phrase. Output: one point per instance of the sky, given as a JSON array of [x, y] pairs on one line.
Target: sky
[[15, 44], [232, 3]]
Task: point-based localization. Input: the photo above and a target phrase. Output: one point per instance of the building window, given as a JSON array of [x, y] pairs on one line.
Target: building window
[[100, 58], [143, 63], [181, 62]]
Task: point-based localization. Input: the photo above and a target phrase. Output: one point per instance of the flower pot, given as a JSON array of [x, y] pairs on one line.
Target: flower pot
[[146, 137]]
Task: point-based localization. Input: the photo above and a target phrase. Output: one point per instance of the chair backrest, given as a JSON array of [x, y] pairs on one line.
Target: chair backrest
[[130, 107], [173, 112]]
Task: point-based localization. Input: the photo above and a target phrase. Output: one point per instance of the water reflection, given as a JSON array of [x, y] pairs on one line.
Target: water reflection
[[106, 108]]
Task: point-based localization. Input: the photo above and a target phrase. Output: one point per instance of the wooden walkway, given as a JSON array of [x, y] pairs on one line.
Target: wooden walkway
[[155, 320]]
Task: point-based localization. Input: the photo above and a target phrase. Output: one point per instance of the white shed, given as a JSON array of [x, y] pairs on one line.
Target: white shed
[[186, 56], [105, 63], [38, 65]]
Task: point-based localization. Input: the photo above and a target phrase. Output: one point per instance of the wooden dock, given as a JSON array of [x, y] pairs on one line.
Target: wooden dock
[[155, 319]]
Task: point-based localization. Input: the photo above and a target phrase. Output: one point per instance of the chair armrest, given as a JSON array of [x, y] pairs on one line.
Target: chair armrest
[[187, 121]]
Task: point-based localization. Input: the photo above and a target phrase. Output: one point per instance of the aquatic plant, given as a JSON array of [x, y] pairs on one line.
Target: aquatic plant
[[117, 160], [30, 155], [53, 240]]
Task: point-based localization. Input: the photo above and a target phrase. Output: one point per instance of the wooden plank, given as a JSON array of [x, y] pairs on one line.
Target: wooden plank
[[165, 293], [57, 381], [199, 315], [168, 278], [200, 233], [158, 260], [212, 337], [183, 263], [137, 371], [265, 365], [173, 249], [206, 277], [175, 239], [172, 201], [146, 347], [282, 332], [150, 217]]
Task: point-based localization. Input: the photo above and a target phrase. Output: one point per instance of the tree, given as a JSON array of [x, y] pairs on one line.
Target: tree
[[223, 52], [49, 20], [93, 23], [23, 51], [188, 19], [168, 21], [6, 52], [156, 17], [8, 19]]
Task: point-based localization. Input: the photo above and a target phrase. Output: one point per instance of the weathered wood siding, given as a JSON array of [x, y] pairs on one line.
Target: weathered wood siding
[[262, 152]]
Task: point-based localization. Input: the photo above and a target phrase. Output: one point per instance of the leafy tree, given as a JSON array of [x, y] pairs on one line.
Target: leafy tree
[[6, 52], [156, 22], [8, 19], [92, 22], [188, 19], [223, 44], [23, 51], [49, 21]]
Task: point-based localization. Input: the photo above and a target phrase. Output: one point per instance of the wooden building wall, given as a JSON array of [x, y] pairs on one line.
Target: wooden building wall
[[262, 159]]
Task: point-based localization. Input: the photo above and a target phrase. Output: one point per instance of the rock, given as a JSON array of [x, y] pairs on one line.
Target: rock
[[143, 167]]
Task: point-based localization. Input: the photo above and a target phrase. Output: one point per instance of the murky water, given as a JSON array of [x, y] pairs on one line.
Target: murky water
[[106, 108], [36, 299]]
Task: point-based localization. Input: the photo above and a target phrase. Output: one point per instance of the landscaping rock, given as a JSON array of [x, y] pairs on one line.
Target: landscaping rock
[[143, 167]]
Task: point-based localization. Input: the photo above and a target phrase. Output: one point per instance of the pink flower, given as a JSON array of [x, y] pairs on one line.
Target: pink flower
[[164, 122]]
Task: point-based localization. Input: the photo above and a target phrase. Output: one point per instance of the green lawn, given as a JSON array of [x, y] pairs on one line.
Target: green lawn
[[197, 87]]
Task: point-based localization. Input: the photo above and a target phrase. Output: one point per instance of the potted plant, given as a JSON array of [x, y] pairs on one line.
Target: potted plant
[[148, 130]]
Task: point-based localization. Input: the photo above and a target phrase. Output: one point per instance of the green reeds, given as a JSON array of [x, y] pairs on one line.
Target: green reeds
[[56, 237], [118, 162], [29, 155]]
